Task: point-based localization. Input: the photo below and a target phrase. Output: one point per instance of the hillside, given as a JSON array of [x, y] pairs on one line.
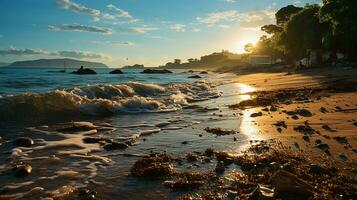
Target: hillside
[[57, 63]]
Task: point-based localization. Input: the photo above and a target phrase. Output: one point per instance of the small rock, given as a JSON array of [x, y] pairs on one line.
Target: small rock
[[220, 168], [317, 169], [322, 146], [116, 71], [115, 146], [343, 156], [195, 76], [341, 139], [295, 117], [184, 142], [23, 142], [279, 129], [323, 110], [258, 114], [21, 170], [306, 138]]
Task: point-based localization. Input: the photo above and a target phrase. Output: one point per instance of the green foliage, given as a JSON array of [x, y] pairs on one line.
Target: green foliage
[[341, 15], [303, 31], [271, 29], [283, 15]]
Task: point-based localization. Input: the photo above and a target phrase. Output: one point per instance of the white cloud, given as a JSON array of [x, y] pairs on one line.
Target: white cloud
[[143, 29], [224, 26], [80, 28], [69, 5], [33, 52], [196, 30], [178, 27], [229, 1], [123, 43], [216, 17], [256, 19], [120, 12]]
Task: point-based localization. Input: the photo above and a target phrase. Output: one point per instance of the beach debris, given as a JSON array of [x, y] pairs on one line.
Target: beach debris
[[209, 152], [328, 128], [322, 146], [153, 166], [162, 124], [184, 142], [22, 169], [86, 194], [288, 185], [295, 117], [156, 71], [191, 157], [23, 142], [188, 180], [341, 139], [203, 72], [262, 193], [323, 110], [84, 71], [220, 167], [318, 169], [219, 131], [355, 123], [306, 129], [306, 138], [280, 124], [258, 114], [273, 108], [116, 71], [301, 111], [225, 157], [115, 146], [343, 156]]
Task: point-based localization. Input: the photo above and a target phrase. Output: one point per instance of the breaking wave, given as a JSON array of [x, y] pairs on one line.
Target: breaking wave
[[107, 99]]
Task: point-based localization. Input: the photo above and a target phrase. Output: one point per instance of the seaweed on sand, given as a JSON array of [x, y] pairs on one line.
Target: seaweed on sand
[[153, 166]]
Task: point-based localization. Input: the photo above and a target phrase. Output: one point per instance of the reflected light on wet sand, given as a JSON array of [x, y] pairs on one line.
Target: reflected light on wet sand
[[247, 126]]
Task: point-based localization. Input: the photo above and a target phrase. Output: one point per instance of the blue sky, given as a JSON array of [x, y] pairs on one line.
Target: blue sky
[[121, 32]]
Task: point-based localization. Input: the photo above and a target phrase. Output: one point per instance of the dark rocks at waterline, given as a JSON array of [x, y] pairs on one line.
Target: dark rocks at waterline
[[84, 71], [203, 72], [156, 71], [93, 140], [195, 76], [116, 71], [115, 146], [23, 142], [21, 170]]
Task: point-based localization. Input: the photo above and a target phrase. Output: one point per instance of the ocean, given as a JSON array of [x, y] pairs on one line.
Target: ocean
[[155, 112]]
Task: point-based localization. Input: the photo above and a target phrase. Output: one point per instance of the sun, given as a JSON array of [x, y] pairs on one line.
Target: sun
[[242, 41]]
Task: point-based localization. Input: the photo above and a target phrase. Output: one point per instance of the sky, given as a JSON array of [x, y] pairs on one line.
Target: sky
[[125, 32]]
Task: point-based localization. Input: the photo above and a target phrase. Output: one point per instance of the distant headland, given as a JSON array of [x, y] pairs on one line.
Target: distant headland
[[71, 63]]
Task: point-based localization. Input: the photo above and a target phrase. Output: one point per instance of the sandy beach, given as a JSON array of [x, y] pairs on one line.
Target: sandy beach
[[333, 110]]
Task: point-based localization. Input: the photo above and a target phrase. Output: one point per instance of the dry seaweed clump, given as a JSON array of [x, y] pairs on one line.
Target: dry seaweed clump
[[219, 131], [153, 166], [189, 180]]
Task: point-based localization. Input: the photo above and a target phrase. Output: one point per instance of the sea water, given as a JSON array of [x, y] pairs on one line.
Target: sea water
[[158, 111]]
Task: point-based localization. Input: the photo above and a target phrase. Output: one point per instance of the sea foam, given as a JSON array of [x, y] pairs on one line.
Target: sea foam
[[106, 99]]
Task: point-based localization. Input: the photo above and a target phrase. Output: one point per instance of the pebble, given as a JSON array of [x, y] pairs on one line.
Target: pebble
[[23, 142]]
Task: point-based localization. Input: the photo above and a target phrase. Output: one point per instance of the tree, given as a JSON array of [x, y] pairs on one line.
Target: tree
[[283, 15], [248, 47], [341, 16], [271, 29], [303, 31]]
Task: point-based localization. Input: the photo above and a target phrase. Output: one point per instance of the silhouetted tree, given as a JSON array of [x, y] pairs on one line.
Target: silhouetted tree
[[283, 15], [341, 15]]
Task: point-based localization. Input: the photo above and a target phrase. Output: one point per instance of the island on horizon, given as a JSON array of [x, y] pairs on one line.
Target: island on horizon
[[57, 63]]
